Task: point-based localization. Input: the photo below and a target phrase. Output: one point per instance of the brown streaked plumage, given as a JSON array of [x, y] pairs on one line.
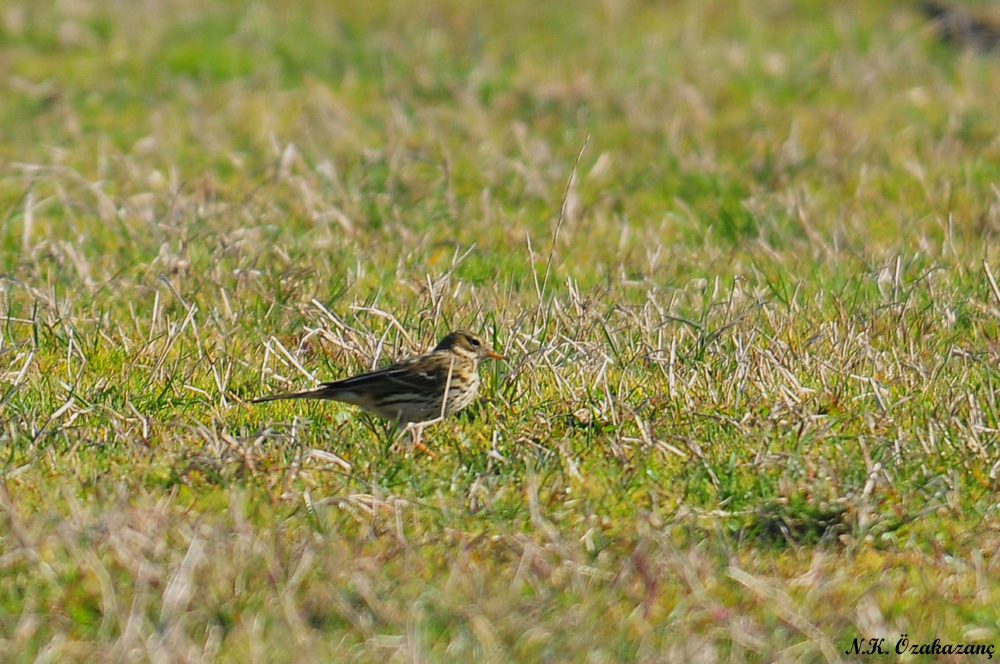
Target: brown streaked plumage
[[412, 390]]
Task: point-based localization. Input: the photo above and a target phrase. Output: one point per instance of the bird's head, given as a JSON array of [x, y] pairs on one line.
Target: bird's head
[[463, 342]]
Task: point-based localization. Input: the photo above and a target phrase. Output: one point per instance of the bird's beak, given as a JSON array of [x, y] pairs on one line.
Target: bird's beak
[[495, 355]]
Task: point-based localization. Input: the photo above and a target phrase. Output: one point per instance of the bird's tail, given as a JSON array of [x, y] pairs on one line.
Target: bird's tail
[[306, 394]]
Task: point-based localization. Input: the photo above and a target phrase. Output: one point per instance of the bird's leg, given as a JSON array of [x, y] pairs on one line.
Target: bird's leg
[[416, 429]]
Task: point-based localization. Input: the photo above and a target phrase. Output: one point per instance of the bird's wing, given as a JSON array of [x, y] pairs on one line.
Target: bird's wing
[[421, 375], [416, 375]]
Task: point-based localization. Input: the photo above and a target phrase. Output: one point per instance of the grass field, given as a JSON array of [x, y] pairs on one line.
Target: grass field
[[739, 257]]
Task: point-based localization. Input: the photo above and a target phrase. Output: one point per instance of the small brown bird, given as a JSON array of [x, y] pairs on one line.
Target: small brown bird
[[412, 390]]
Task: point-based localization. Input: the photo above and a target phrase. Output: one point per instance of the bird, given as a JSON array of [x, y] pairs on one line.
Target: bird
[[412, 391]]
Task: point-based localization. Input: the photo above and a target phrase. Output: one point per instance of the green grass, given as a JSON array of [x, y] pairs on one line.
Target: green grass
[[749, 410]]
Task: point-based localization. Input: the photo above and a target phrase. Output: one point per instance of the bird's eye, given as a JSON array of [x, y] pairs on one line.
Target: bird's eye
[[474, 342]]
